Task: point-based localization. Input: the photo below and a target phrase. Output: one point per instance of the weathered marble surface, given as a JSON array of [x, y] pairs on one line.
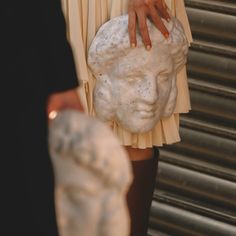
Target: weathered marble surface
[[92, 174], [136, 87]]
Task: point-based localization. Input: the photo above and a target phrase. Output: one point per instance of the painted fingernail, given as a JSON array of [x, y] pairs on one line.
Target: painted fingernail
[[148, 47], [133, 45], [166, 35]]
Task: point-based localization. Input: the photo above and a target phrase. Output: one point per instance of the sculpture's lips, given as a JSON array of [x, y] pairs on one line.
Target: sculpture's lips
[[145, 107], [145, 114]]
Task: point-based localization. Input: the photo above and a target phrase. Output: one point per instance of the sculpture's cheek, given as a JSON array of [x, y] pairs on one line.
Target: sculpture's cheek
[[170, 106], [171, 102], [103, 100]]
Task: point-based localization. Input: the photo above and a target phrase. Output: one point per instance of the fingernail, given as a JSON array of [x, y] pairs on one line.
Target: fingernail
[[166, 35], [168, 19], [133, 45], [148, 47]]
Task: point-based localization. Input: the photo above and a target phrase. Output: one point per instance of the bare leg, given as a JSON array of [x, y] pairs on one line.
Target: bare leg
[[139, 197]]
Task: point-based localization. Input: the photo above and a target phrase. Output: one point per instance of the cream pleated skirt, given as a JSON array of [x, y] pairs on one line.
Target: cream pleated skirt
[[83, 18]]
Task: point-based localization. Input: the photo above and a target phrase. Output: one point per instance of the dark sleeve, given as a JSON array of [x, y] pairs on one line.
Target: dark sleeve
[[62, 73]]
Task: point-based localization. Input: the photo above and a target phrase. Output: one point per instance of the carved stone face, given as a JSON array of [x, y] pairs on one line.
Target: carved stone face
[[136, 87], [139, 89], [91, 179]]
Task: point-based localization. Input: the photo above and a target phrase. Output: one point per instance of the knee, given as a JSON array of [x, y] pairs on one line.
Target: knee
[[137, 154]]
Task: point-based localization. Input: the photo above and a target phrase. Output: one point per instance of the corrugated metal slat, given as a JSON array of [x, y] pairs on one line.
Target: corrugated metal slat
[[196, 183]]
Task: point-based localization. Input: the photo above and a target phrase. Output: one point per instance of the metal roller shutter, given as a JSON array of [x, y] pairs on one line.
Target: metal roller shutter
[[196, 183]]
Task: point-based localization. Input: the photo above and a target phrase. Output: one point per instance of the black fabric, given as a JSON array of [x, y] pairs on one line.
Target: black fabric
[[140, 194], [36, 60]]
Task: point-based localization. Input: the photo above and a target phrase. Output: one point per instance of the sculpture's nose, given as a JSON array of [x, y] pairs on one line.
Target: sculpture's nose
[[149, 89]]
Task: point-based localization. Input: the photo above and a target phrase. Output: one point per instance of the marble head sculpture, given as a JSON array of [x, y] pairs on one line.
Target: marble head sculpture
[[91, 179], [136, 87]]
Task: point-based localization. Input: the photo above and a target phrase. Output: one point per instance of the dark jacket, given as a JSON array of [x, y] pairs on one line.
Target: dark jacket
[[36, 60]]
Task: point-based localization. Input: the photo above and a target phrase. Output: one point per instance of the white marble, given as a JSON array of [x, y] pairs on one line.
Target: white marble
[[136, 87], [92, 173]]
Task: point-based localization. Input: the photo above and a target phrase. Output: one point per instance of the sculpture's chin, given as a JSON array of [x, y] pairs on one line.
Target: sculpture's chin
[[138, 125]]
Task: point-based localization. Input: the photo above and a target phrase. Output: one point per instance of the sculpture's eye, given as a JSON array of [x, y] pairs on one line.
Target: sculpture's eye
[[165, 77], [132, 79]]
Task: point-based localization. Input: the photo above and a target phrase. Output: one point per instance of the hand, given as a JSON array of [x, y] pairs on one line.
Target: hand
[[139, 10], [63, 100]]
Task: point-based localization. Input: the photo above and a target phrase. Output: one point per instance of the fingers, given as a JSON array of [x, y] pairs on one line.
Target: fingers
[[138, 14], [162, 9], [139, 11], [63, 100], [157, 21], [132, 28], [142, 21]]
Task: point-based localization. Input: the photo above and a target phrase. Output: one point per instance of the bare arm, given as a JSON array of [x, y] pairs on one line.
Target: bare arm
[[139, 11]]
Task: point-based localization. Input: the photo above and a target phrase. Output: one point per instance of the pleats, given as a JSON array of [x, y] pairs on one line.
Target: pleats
[[84, 17]]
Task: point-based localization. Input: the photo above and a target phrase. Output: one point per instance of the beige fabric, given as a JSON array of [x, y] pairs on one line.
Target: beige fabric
[[84, 17]]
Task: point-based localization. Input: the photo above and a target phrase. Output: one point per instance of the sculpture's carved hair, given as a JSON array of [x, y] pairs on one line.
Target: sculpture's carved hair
[[92, 176], [112, 42], [75, 136]]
